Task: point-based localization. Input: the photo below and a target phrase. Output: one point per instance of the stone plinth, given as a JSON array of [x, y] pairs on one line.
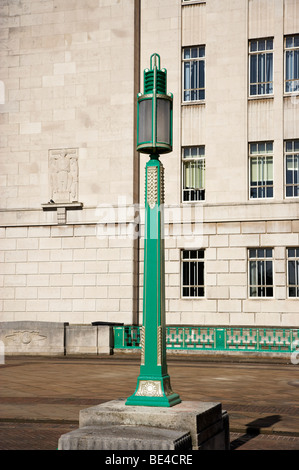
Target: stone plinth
[[206, 423], [125, 438]]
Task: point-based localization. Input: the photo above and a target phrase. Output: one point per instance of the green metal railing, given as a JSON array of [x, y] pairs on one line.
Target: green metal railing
[[210, 338]]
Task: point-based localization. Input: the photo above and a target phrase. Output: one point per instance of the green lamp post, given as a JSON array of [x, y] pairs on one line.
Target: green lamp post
[[154, 136]]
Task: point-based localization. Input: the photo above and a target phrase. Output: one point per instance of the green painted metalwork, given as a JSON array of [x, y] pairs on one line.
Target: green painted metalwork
[[153, 384], [154, 111], [210, 338]]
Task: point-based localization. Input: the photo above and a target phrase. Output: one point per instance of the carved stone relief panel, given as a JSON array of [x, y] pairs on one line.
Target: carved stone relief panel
[[63, 175]]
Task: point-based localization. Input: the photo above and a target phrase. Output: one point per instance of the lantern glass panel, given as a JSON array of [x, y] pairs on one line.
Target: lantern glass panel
[[163, 120], [145, 121]]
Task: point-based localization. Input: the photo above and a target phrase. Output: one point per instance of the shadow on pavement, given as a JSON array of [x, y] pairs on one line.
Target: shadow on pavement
[[254, 429]]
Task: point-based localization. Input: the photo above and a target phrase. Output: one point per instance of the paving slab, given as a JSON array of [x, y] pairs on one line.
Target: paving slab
[[260, 397]]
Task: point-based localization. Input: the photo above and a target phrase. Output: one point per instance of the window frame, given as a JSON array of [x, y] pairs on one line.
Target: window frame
[[198, 158], [189, 286], [257, 286], [260, 155], [190, 60], [257, 52], [286, 49]]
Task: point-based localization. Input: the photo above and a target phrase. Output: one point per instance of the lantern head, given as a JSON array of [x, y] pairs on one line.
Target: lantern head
[[154, 111]]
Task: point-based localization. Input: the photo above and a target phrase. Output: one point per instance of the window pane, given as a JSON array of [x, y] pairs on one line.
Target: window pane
[[269, 67], [194, 52], [291, 269], [253, 148], [185, 274], [289, 170], [261, 68], [200, 274], [261, 147], [187, 53], [201, 51], [289, 41], [254, 170], [187, 75], [269, 274], [252, 273], [253, 46], [261, 45], [269, 169], [186, 152], [253, 69], [289, 65], [253, 90], [194, 74], [253, 292], [201, 292], [292, 292], [185, 291], [201, 74], [269, 291], [187, 96]]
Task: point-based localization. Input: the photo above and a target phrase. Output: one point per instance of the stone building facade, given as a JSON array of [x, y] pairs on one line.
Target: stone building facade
[[72, 183]]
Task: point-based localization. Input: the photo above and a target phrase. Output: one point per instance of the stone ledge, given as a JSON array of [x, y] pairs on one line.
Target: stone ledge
[[125, 438], [54, 338]]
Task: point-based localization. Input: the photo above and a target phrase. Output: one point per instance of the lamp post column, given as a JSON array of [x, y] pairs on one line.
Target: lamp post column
[[154, 136], [153, 385]]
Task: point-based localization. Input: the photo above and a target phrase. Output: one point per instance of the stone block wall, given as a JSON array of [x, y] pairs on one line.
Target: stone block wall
[[226, 272], [65, 274]]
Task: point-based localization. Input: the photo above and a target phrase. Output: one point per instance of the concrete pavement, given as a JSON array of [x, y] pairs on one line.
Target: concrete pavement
[[40, 397]]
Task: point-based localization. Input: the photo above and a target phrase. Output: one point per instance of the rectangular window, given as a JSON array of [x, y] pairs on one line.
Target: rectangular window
[[261, 169], [292, 168], [261, 67], [293, 272], [193, 167], [194, 73], [192, 273], [292, 63], [261, 272]]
